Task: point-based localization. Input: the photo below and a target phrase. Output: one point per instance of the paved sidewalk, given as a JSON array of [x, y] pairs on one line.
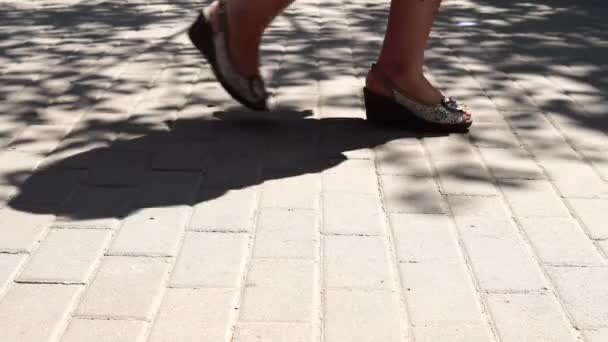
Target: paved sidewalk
[[139, 203]]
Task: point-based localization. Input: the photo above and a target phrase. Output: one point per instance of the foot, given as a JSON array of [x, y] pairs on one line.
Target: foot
[[243, 42], [415, 87]]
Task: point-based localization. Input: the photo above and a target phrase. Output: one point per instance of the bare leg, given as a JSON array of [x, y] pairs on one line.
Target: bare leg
[[247, 20], [402, 54]]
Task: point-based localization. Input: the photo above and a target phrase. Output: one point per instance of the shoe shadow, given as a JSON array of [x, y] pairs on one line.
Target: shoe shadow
[[192, 162]]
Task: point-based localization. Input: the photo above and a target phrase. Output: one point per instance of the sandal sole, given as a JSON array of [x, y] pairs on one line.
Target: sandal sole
[[201, 35], [383, 110]]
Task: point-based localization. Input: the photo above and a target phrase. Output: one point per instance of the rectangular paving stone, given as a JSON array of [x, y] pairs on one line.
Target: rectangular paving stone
[[284, 233], [529, 317], [593, 213], [292, 332], [482, 206], [494, 135], [279, 291], [425, 238], [540, 137], [484, 239], [151, 232], [66, 256], [402, 159], [346, 267], [533, 198], [124, 287], [352, 213], [299, 191], [16, 166], [21, 230], [414, 195], [452, 333], [77, 152], [183, 156], [294, 156], [365, 316], [210, 260], [194, 315], [167, 188], [94, 207], [511, 163], [447, 147], [439, 293], [39, 138], [231, 211], [115, 167], [351, 176], [48, 188], [596, 335], [598, 160], [464, 177], [328, 108], [35, 312], [573, 177], [584, 294], [232, 171], [349, 141], [560, 241], [580, 136], [8, 193], [103, 330], [9, 265]]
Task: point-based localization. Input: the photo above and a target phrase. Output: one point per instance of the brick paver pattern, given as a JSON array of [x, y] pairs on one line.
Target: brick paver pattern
[[138, 202]]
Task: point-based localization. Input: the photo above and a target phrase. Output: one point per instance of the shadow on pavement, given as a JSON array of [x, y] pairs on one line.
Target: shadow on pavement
[[198, 160]]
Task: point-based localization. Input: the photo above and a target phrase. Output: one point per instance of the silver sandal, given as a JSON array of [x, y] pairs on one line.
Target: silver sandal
[[251, 91]]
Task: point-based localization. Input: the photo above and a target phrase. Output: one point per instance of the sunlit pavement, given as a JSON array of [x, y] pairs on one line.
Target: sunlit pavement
[[138, 202]]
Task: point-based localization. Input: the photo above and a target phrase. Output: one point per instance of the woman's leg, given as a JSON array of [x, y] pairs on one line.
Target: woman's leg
[[402, 54], [247, 20]]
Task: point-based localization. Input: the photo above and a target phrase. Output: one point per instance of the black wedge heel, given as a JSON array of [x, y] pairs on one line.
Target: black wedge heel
[[398, 110], [201, 35], [384, 110]]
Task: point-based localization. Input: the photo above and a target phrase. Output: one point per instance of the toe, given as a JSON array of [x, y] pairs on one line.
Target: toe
[[468, 115]]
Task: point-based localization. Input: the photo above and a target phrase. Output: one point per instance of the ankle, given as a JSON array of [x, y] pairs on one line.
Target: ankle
[[375, 84], [403, 72], [411, 82]]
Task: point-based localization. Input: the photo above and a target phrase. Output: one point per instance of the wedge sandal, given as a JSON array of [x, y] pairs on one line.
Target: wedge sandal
[[447, 116], [249, 91]]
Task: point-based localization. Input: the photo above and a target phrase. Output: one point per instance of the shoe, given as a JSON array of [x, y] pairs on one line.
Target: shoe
[[251, 91], [446, 117]]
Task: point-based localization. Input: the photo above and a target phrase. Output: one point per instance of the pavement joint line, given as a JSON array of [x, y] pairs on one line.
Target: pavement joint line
[[203, 231], [528, 244], [520, 232], [396, 275], [234, 316], [195, 286], [351, 234], [14, 252], [140, 255], [49, 282], [28, 256], [165, 283], [62, 227], [564, 201], [111, 318], [486, 314], [275, 321]]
